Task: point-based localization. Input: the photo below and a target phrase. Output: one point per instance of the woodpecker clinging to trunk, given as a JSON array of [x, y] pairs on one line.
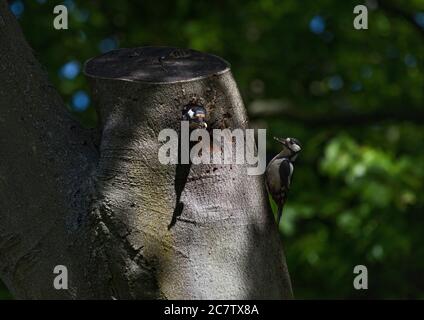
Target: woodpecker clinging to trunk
[[279, 172]]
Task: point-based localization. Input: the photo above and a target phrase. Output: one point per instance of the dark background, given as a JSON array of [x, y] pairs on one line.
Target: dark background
[[353, 97]]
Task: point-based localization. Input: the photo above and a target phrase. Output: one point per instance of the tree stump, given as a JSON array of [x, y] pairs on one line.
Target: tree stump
[[176, 231]]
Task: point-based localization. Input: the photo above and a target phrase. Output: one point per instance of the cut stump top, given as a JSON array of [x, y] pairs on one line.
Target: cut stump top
[[155, 65]]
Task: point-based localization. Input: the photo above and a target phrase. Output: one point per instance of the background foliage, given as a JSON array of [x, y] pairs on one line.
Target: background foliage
[[354, 98]]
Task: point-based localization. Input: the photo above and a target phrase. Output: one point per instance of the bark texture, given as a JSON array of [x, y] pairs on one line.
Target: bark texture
[[46, 161], [125, 225]]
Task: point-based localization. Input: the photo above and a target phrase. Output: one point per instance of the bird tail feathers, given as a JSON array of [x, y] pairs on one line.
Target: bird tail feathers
[[279, 214]]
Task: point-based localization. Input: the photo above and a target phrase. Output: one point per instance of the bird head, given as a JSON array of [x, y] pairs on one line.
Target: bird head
[[291, 145], [196, 114]]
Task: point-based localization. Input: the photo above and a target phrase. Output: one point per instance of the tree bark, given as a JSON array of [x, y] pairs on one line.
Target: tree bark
[[46, 161], [125, 225]]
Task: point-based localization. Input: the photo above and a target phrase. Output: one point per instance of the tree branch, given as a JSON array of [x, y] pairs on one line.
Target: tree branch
[[275, 108], [396, 11]]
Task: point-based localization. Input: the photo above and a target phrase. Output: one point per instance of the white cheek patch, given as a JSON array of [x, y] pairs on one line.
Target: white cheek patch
[[190, 113], [295, 148]]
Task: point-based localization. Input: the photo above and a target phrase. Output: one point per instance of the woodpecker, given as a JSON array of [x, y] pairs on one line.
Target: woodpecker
[[279, 172], [196, 115]]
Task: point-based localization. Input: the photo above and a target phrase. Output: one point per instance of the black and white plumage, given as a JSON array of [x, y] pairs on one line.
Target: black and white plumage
[[279, 172]]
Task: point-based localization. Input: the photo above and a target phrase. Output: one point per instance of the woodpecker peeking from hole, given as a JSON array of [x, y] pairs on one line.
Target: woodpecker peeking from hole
[[196, 115], [279, 172]]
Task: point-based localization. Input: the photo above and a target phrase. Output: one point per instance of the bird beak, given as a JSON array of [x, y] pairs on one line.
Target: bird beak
[[280, 140], [202, 125]]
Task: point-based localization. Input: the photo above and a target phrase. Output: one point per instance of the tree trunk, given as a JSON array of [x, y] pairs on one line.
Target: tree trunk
[[125, 225], [46, 162]]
